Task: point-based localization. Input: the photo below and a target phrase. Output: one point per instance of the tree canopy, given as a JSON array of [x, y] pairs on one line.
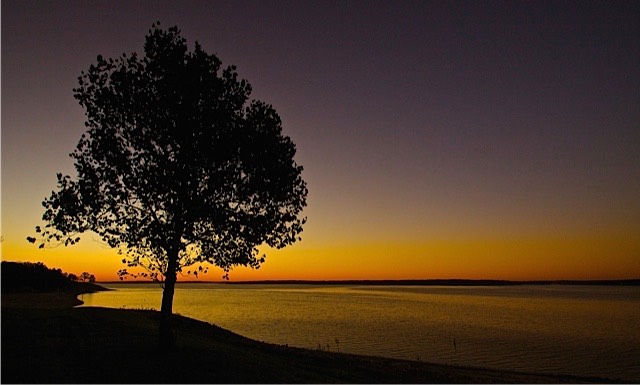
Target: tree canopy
[[176, 159], [177, 166]]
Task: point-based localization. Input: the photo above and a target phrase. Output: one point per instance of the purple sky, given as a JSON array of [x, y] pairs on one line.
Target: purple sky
[[412, 119]]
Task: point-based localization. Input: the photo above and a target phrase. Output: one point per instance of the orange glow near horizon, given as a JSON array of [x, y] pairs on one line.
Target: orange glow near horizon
[[603, 257]]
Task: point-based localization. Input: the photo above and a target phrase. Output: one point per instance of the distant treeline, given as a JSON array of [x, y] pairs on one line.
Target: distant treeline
[[36, 277], [413, 282]]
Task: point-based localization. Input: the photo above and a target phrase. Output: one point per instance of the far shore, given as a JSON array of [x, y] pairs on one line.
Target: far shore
[[411, 282], [46, 339]]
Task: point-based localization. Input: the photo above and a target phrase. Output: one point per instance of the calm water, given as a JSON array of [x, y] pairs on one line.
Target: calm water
[[579, 330]]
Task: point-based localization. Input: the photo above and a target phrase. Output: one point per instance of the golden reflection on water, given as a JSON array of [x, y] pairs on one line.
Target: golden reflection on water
[[579, 330]]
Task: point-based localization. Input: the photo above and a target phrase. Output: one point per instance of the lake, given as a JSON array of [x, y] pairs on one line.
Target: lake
[[559, 329]]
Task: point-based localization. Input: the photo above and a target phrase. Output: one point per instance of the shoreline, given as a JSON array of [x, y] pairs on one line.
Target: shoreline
[[89, 342]]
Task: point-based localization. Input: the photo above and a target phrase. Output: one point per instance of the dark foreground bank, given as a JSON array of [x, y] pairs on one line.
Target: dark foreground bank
[[42, 343]]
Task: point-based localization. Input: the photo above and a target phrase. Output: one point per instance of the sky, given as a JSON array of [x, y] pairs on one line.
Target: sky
[[439, 139]]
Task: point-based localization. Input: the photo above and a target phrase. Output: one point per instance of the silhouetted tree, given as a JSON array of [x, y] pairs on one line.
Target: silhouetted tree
[[84, 277], [177, 166]]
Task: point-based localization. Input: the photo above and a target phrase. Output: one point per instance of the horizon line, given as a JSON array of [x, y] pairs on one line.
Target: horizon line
[[412, 282]]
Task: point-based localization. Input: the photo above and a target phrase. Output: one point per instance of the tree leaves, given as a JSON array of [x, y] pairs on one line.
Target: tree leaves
[[177, 159]]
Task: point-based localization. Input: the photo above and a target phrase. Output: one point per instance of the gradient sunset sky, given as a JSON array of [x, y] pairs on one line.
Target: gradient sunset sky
[[440, 139]]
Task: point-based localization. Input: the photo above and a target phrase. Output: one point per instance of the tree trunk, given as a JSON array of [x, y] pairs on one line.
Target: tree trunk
[[167, 338]]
